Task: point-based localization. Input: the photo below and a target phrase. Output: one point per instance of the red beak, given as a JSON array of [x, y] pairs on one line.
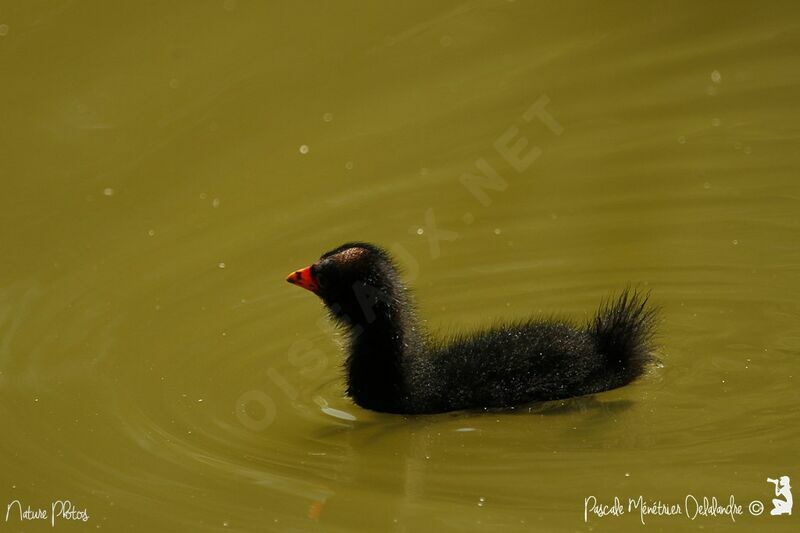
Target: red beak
[[304, 278]]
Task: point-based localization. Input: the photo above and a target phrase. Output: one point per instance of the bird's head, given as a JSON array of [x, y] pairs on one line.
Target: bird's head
[[357, 281]]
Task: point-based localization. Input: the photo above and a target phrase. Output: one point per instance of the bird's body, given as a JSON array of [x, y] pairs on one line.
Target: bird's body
[[394, 366], [503, 366]]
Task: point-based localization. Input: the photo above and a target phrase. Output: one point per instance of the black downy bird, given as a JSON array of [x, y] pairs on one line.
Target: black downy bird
[[394, 366]]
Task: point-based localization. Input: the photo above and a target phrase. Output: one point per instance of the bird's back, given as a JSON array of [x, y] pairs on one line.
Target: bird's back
[[505, 365]]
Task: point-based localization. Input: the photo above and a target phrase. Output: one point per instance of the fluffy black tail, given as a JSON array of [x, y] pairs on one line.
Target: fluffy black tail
[[623, 331]]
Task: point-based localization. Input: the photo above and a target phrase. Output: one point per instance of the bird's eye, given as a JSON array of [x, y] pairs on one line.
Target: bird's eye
[[316, 272]]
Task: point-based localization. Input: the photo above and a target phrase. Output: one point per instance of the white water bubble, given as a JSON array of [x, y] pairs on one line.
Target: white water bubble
[[221, 264], [303, 148], [349, 165], [716, 77], [338, 413], [3, 30], [215, 203], [108, 191], [327, 117]]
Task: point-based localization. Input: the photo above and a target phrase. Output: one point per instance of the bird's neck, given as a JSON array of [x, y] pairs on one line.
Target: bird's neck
[[380, 349]]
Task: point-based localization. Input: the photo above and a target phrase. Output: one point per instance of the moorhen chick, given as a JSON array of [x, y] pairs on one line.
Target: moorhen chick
[[394, 366]]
